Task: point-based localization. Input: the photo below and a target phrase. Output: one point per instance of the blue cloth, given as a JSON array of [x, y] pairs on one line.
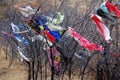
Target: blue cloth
[[56, 34], [41, 20], [118, 3], [18, 37], [104, 8], [19, 26], [23, 27]]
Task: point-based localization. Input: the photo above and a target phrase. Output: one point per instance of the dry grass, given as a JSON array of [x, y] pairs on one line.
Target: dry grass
[[14, 72], [2, 11]]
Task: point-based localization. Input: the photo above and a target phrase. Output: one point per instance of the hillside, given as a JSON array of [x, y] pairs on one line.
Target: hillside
[[85, 56]]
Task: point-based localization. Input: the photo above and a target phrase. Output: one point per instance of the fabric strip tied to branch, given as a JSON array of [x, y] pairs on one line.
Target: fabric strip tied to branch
[[112, 9], [101, 27], [84, 42]]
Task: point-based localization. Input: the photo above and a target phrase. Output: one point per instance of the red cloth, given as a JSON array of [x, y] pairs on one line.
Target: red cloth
[[84, 42], [113, 9], [40, 33], [49, 36], [101, 27]]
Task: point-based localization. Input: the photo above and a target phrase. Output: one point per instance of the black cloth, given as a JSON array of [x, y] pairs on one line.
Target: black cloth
[[104, 15]]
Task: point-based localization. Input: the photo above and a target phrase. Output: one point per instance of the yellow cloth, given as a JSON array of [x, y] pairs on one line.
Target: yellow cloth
[[57, 58], [41, 27]]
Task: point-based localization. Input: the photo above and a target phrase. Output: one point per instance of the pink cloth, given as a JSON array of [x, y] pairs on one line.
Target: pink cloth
[[55, 53], [84, 42]]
